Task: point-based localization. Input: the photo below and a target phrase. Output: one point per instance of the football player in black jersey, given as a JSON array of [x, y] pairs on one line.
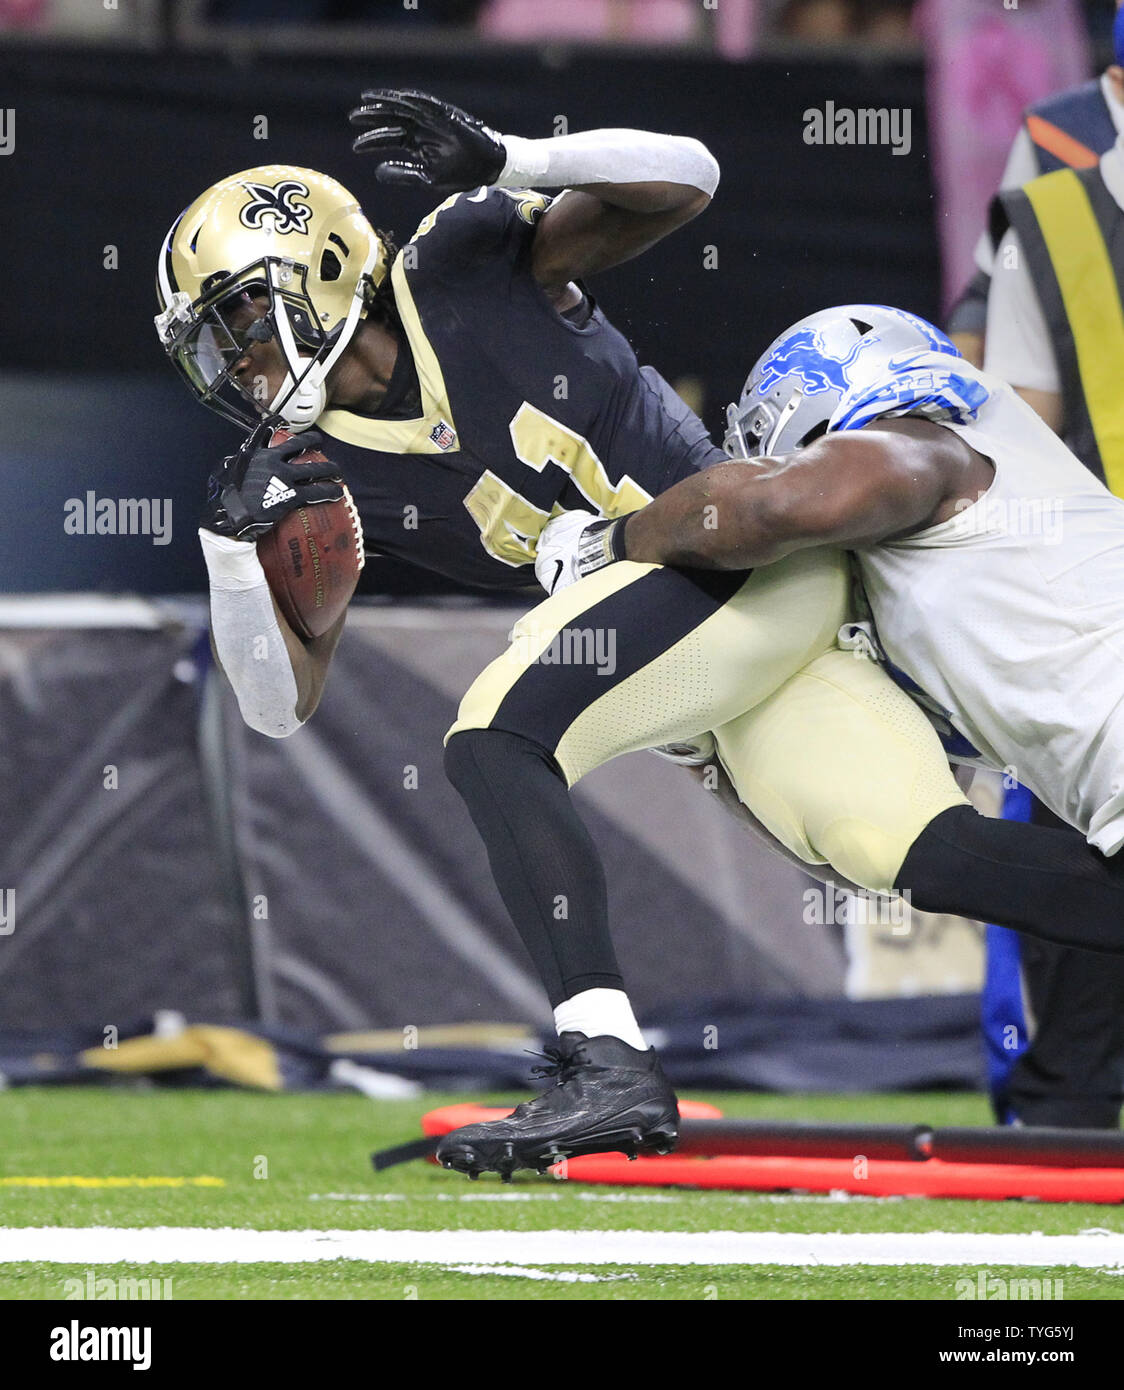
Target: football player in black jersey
[[468, 390]]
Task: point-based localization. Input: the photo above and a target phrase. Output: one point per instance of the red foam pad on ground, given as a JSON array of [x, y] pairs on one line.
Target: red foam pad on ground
[[882, 1178], [447, 1117]]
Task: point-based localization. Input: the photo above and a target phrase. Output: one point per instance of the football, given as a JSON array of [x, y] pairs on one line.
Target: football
[[312, 559]]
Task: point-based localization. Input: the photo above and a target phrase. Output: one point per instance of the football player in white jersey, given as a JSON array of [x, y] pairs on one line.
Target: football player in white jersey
[[879, 437], [992, 560]]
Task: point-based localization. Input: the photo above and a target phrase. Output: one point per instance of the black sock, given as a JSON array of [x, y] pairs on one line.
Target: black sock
[[543, 859], [1047, 883]]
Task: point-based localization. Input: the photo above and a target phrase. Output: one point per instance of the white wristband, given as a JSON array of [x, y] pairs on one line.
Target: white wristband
[[607, 156], [231, 563], [527, 162]]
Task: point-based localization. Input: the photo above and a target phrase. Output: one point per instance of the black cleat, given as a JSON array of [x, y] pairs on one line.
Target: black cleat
[[608, 1098]]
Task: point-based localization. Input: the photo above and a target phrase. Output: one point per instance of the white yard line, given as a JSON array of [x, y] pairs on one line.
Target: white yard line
[[657, 1198], [94, 1245], [560, 1276], [610, 1198]]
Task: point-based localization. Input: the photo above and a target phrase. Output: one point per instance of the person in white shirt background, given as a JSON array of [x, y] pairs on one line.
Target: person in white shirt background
[[1070, 1006]]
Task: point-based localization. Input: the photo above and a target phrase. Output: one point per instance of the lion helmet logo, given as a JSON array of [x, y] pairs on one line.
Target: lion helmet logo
[[802, 354]]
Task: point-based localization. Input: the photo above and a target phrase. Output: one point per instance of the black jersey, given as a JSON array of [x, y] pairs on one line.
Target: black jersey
[[523, 412]]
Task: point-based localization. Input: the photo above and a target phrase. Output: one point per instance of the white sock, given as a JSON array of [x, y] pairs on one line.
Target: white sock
[[600, 1013]]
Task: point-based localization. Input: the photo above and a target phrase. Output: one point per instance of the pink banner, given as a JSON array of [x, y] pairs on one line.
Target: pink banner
[[986, 64], [23, 14], [732, 23]]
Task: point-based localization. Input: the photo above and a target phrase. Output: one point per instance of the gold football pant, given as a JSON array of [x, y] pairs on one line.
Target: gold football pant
[[834, 760]]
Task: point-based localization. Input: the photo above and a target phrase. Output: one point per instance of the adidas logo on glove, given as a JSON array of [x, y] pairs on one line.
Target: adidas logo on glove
[[276, 492]]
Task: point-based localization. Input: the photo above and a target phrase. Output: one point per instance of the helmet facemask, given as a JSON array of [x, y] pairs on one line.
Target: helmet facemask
[[753, 427], [206, 341]]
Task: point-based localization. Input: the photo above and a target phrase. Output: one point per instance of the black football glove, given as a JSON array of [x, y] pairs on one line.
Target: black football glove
[[259, 485], [420, 141]]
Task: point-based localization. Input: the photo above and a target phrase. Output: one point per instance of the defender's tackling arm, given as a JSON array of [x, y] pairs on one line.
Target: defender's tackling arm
[[843, 489]]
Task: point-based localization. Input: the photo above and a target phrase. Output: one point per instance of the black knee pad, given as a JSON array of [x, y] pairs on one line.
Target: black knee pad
[[493, 755], [461, 755]]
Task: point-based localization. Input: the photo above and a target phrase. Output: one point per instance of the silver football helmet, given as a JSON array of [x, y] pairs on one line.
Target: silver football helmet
[[797, 384]]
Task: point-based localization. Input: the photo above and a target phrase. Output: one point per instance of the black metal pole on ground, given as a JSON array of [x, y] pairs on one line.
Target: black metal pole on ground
[[221, 770], [797, 1139], [1041, 1147]]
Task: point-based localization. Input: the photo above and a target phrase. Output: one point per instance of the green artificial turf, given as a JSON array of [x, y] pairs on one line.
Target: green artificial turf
[[302, 1162]]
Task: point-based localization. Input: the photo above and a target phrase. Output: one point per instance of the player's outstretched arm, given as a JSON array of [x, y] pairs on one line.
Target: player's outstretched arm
[[627, 188], [596, 227], [844, 489]]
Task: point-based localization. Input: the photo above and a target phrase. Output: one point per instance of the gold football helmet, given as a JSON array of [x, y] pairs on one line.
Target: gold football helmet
[[287, 236]]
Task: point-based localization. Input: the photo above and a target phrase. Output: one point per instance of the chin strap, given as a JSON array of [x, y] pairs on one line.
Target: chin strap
[[300, 406], [302, 400]]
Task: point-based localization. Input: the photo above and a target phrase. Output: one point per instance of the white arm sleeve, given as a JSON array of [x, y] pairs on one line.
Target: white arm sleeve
[[248, 638], [1018, 344], [607, 156]]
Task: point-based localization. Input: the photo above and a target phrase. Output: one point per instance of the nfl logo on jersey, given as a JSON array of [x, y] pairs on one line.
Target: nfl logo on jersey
[[443, 435]]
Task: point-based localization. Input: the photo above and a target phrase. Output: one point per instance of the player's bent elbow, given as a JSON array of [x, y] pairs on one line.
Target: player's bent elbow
[[783, 521], [273, 724], [278, 730], [697, 202], [706, 172]]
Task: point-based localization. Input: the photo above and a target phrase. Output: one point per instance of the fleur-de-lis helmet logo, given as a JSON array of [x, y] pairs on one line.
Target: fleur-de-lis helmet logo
[[277, 202]]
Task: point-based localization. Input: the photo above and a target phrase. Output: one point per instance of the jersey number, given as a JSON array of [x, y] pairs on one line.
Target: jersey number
[[509, 523]]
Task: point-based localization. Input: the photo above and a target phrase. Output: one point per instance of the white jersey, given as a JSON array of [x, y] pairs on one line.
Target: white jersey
[[1010, 616]]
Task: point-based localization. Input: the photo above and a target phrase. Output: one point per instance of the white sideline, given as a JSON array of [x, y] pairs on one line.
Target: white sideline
[[95, 1245]]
